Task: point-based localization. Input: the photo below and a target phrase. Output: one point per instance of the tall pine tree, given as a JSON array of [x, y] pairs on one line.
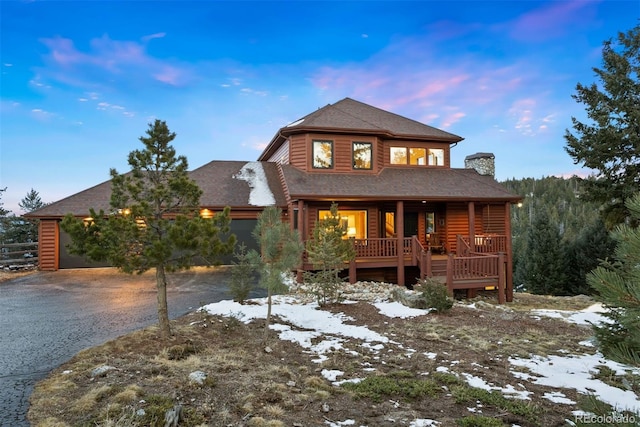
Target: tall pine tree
[[617, 286], [543, 266], [154, 221], [610, 141]]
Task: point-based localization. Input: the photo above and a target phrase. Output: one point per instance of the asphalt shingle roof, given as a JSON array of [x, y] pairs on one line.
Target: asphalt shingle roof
[[393, 183], [217, 180]]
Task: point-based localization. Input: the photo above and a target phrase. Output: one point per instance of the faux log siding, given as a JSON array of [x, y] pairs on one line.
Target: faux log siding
[[493, 219], [48, 245], [393, 143], [298, 153], [281, 155], [457, 223]]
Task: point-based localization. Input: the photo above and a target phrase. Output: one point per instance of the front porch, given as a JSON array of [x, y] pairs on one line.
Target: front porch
[[479, 263]]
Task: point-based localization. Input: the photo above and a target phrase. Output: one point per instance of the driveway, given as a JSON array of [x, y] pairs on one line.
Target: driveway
[[47, 317]]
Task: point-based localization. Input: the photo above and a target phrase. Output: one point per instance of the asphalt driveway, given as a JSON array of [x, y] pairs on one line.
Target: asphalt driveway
[[47, 317]]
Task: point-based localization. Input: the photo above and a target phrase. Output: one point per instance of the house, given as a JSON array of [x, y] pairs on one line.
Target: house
[[409, 213]]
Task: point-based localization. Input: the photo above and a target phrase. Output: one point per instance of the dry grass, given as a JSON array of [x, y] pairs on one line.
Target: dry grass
[[248, 386]]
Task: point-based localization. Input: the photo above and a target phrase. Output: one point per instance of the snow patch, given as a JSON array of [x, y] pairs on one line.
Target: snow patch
[[253, 174]]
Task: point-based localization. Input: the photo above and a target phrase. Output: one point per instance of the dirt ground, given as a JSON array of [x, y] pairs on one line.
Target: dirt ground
[[253, 382]]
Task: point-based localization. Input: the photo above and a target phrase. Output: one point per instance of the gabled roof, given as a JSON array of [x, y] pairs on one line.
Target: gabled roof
[[349, 115], [241, 185], [394, 183]]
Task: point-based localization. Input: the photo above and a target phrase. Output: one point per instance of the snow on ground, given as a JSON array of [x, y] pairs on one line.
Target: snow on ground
[[568, 372]]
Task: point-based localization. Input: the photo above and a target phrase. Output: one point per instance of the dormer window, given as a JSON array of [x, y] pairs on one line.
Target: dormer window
[[322, 153], [362, 153]]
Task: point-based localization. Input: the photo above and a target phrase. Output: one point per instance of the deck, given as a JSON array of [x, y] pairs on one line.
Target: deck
[[479, 267]]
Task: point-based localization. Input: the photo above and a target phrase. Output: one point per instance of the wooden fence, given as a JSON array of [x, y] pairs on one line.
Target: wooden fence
[[18, 254]]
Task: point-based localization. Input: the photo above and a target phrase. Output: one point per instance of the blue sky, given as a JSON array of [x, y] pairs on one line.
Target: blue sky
[[81, 80]]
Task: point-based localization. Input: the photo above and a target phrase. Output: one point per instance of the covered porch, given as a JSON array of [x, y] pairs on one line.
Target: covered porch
[[479, 266], [465, 245]]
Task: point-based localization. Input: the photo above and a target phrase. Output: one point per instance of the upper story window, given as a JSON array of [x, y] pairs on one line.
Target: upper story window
[[416, 156], [322, 152], [436, 156], [362, 155], [398, 155]]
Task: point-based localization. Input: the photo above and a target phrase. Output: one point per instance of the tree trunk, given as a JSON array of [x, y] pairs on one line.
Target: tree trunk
[[163, 311], [266, 327]]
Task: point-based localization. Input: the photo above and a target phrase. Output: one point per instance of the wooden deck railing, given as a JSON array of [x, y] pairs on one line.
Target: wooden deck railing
[[381, 247], [476, 270], [483, 244]]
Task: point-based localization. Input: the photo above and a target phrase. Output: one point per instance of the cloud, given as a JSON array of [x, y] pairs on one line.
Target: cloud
[[153, 36], [553, 20], [108, 62]]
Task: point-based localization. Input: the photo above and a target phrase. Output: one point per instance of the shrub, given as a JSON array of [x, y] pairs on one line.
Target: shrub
[[435, 294], [242, 276]]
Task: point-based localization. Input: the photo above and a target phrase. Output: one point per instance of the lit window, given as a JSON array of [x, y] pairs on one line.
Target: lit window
[[398, 155], [362, 153], [355, 222], [436, 157], [322, 154], [417, 156]]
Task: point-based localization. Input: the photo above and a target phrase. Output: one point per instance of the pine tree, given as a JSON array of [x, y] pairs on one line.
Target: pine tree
[[610, 142], [154, 221], [242, 275], [617, 286], [583, 254], [543, 266], [280, 252], [328, 252]]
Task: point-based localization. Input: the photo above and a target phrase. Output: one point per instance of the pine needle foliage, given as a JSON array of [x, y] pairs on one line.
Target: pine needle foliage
[[617, 286], [280, 252], [328, 251], [154, 220]]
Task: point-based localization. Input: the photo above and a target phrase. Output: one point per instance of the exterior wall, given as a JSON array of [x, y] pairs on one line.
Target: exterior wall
[[48, 245], [298, 151], [457, 223], [493, 219], [281, 156]]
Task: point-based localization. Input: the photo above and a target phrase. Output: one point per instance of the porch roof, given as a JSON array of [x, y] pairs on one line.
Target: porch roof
[[397, 183]]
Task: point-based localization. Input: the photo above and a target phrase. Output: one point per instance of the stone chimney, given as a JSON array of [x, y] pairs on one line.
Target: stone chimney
[[483, 163]]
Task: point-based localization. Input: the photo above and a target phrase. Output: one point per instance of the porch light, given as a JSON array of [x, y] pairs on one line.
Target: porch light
[[125, 211], [206, 213], [87, 221]]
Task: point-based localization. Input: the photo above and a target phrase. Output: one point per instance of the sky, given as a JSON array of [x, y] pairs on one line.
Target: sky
[[321, 332], [81, 80]]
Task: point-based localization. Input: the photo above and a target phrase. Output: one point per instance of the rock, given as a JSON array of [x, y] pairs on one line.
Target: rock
[[172, 416], [101, 371], [197, 377]]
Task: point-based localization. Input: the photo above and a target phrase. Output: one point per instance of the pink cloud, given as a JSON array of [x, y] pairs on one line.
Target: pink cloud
[[111, 57], [550, 21]]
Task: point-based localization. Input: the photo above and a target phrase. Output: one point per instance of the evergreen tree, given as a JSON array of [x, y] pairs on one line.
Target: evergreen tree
[[617, 286], [17, 229], [242, 275], [610, 142], [543, 265], [585, 253], [280, 252], [154, 221], [328, 251]]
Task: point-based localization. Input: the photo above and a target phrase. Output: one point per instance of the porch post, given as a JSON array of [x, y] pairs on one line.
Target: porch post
[[509, 250], [472, 226], [300, 219], [400, 240]]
